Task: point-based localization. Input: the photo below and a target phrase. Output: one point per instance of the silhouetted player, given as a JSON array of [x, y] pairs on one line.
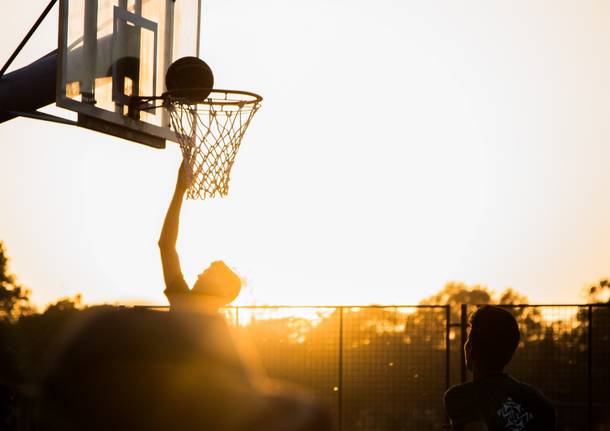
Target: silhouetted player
[[134, 369], [215, 287], [494, 400]]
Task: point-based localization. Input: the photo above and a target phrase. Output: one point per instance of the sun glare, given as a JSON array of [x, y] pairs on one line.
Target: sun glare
[[561, 314]]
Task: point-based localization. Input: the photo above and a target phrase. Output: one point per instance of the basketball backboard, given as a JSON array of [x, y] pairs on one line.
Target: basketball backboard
[[110, 50]]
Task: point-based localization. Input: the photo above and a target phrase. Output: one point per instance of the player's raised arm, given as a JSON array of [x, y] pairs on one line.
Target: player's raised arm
[[169, 234]]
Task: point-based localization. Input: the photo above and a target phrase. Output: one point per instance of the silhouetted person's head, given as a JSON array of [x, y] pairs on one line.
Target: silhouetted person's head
[[136, 369], [218, 283], [492, 339]]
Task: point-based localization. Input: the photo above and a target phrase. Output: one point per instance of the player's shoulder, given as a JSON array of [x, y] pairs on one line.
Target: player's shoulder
[[461, 406], [534, 395], [526, 388], [457, 392]]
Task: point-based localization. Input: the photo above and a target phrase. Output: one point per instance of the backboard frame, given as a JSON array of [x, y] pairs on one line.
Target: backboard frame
[[103, 120]]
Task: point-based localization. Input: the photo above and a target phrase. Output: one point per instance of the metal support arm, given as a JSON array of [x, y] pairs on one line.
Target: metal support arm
[[27, 37]]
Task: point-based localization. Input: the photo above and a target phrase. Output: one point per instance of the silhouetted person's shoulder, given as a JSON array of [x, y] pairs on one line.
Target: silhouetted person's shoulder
[[500, 401]]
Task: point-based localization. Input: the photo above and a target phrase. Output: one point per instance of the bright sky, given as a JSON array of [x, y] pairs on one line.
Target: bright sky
[[401, 145]]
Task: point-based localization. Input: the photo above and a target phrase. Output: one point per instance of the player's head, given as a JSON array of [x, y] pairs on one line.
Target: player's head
[[492, 339], [218, 283]]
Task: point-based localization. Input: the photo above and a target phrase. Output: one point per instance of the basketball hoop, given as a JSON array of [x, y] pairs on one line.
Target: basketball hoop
[[209, 132], [209, 124]]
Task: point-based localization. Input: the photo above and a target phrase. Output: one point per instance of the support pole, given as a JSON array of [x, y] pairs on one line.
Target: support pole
[[464, 324], [340, 383], [590, 369], [447, 346]]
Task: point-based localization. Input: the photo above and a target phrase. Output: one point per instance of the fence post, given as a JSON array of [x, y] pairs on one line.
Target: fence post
[[447, 346], [590, 369], [464, 329], [340, 383]]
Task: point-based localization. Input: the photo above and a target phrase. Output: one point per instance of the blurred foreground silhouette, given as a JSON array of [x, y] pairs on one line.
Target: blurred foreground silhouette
[[149, 370]]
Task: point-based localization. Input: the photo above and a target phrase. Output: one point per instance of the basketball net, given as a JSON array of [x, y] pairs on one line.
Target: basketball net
[[209, 134]]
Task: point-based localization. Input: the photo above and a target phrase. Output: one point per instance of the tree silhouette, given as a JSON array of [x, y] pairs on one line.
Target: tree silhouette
[[14, 298], [599, 292], [26, 336]]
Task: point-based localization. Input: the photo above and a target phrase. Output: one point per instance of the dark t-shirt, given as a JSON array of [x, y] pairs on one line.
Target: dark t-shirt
[[210, 326], [503, 403], [181, 298]]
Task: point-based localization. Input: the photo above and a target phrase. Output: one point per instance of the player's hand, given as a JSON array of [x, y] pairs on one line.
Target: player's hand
[[185, 177]]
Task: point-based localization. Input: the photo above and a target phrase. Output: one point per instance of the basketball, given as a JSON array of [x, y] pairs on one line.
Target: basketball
[[190, 77]]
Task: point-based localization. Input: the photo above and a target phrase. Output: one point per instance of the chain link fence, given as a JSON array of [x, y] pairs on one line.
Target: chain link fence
[[387, 367], [376, 367]]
